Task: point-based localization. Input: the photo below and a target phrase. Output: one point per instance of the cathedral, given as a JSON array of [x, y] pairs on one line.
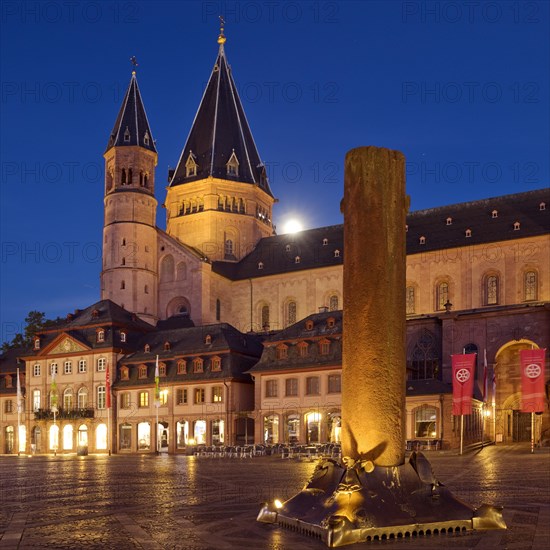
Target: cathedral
[[219, 331]]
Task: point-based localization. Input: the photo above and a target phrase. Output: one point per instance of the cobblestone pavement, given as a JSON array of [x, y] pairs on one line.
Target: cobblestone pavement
[[178, 502]]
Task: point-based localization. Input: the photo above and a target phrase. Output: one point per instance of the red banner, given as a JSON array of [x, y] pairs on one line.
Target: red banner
[[463, 382], [532, 380]]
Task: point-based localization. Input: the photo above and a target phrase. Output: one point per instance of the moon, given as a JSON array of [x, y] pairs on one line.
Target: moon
[[292, 226]]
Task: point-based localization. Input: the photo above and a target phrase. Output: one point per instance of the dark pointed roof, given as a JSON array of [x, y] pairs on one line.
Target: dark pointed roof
[[220, 129], [132, 121]]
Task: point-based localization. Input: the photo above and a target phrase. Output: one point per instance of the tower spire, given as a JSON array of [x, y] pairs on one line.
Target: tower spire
[[131, 125], [221, 38], [220, 143]]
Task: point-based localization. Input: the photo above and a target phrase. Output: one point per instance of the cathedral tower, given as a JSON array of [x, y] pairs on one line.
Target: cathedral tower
[[129, 276], [219, 200]]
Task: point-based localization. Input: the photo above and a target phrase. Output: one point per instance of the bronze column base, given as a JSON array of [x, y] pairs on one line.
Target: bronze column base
[[349, 502]]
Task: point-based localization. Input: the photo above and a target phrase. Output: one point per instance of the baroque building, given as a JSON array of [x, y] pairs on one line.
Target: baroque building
[[478, 281]]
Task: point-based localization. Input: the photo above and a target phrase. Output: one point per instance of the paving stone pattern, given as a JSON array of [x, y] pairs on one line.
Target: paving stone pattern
[[192, 503]]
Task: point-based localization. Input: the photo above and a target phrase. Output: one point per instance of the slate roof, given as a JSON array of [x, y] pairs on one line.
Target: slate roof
[[299, 332], [9, 361], [220, 128], [132, 118], [277, 254], [238, 352], [82, 324]]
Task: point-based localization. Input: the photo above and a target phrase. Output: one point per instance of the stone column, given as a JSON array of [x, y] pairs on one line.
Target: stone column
[[373, 358]]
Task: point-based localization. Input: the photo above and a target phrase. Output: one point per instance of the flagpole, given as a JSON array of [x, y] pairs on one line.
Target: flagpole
[[532, 432], [108, 403], [157, 405], [461, 432], [18, 414]]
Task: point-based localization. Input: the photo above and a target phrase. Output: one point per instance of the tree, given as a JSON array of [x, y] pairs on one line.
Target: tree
[[34, 322]]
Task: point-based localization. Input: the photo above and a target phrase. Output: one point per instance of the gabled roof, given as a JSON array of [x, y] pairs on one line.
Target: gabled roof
[[131, 126], [220, 129], [81, 326], [317, 247]]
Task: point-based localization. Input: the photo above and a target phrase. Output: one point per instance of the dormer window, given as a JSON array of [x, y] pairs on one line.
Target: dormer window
[[516, 226], [37, 343], [325, 242], [208, 339], [191, 166], [216, 364], [309, 324], [142, 371], [406, 228], [95, 314], [287, 248], [100, 335], [126, 135], [122, 336], [542, 206], [331, 321], [260, 265], [182, 367], [282, 351], [468, 233], [198, 365], [422, 240], [494, 214], [232, 165], [147, 348], [146, 138], [449, 221], [297, 260], [336, 253], [124, 373], [324, 347], [166, 346]]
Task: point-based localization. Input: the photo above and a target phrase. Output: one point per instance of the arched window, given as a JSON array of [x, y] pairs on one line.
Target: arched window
[[423, 363], [181, 271], [82, 398], [333, 303], [101, 395], [491, 290], [36, 403], [530, 286], [409, 293], [265, 317], [228, 248], [129, 176], [291, 313], [68, 399], [123, 177], [442, 295], [167, 269]]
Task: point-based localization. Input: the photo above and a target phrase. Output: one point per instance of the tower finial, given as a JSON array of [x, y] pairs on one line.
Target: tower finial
[[221, 38], [134, 62]]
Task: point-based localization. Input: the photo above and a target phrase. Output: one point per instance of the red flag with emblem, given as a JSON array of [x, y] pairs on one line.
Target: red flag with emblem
[[532, 380], [463, 382]]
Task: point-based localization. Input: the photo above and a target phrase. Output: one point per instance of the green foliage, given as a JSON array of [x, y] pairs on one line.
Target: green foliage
[[34, 322]]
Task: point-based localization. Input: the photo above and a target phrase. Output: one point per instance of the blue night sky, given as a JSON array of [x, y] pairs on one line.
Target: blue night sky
[[461, 88]]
